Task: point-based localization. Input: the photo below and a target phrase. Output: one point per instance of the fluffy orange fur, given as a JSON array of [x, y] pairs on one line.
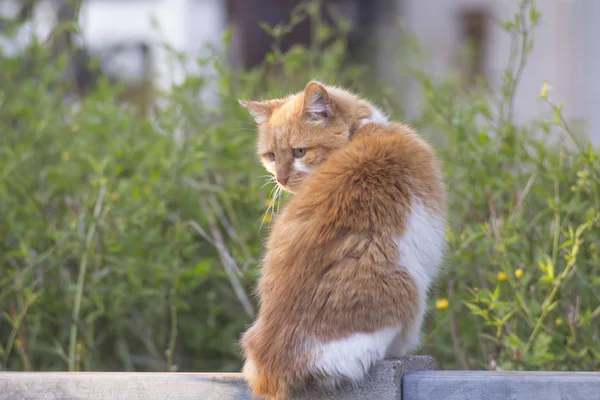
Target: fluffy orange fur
[[331, 267]]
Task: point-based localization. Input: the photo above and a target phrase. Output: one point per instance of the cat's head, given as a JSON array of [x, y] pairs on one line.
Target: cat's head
[[298, 133]]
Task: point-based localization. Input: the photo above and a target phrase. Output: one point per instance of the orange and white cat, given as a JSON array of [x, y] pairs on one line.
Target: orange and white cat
[[350, 259]]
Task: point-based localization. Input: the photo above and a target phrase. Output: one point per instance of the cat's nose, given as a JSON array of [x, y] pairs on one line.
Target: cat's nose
[[283, 181]]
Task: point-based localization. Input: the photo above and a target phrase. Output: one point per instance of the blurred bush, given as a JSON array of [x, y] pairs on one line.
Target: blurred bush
[[132, 243], [520, 288]]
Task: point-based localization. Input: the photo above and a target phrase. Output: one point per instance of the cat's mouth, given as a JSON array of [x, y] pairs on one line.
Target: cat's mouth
[[285, 187], [295, 183], [289, 187]]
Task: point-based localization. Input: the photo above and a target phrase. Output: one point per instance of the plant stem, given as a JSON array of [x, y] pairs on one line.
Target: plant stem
[[523, 30], [558, 281], [545, 305], [173, 311], [81, 279], [17, 321], [172, 339]]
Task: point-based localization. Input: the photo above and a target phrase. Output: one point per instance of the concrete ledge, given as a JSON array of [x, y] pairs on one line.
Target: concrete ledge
[[471, 385], [409, 378], [383, 383]]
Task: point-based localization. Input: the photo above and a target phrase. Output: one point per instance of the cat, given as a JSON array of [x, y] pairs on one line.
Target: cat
[[350, 258]]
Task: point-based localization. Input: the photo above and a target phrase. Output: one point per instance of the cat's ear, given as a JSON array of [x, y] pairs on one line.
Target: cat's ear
[[317, 102], [261, 110]]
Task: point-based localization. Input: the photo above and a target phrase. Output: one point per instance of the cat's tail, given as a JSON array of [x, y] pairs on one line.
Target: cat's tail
[[267, 386], [268, 370]]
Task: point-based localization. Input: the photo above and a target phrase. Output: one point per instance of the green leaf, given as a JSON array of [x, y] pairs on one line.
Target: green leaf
[[496, 294], [540, 349], [514, 341], [266, 27]]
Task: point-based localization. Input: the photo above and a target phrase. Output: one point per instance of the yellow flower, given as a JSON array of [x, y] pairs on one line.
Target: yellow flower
[[502, 276], [79, 347], [558, 321], [267, 218], [441, 304], [519, 273], [545, 89]]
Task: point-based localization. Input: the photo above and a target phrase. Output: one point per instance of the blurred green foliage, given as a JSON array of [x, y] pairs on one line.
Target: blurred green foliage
[[133, 244]]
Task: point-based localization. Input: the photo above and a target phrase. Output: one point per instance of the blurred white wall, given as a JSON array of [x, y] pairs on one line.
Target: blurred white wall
[[566, 51], [586, 64], [186, 25]]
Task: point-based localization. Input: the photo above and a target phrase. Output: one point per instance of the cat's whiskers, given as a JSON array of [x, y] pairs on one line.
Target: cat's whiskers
[[272, 196], [279, 199], [273, 201], [270, 180], [276, 200]]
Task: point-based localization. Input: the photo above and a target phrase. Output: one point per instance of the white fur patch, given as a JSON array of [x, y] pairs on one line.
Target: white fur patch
[[409, 339], [300, 166], [249, 369], [270, 167], [422, 245], [352, 357], [421, 253], [377, 117], [258, 118]]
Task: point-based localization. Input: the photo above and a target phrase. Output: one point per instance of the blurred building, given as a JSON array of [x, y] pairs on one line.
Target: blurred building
[[123, 27], [129, 35]]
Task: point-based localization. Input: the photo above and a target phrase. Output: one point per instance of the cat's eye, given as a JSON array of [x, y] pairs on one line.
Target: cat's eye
[[271, 156], [299, 152]]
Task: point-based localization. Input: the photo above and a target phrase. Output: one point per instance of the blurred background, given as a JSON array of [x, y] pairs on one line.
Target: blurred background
[[129, 37], [133, 208]]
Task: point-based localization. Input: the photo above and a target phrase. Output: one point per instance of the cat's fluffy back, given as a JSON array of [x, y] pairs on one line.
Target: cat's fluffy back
[[349, 262]]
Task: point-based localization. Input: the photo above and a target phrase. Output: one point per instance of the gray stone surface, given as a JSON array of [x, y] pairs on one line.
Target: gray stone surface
[[121, 386], [383, 383], [488, 385]]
